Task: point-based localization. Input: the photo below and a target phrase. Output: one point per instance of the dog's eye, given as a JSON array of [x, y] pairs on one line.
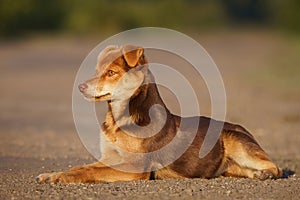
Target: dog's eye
[[111, 73]]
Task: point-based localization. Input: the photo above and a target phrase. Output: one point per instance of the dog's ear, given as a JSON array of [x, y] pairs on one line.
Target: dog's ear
[[132, 54]]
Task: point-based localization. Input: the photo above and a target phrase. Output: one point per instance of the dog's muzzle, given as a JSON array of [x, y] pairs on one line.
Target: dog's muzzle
[[82, 87]]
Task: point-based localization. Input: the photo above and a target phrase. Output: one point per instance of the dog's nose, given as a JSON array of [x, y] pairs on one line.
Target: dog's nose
[[82, 87]]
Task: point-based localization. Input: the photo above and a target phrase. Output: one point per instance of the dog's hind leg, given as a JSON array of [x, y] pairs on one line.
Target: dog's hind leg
[[245, 158]]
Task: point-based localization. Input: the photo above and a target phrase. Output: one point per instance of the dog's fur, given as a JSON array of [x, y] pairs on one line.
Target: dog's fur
[[125, 82]]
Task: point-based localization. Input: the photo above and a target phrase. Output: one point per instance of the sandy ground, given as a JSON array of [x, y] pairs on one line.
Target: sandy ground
[[37, 133]]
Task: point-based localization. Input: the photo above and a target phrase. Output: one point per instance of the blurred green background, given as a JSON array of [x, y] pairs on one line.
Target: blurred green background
[[98, 16]]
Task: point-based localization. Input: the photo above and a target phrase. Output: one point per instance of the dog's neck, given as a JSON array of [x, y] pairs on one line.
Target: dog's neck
[[135, 111]]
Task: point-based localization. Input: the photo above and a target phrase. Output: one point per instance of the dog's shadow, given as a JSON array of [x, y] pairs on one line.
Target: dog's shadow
[[286, 173]]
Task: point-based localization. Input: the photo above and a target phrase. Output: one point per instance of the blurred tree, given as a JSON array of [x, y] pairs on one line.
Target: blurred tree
[[246, 10], [17, 17], [94, 16], [285, 14]]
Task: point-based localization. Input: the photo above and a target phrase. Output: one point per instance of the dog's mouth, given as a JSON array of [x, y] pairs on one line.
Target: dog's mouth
[[103, 97]]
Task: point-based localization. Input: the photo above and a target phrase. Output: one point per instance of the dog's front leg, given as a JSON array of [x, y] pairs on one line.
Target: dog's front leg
[[93, 173]]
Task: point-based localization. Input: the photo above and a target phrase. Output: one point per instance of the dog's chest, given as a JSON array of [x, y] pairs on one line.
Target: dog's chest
[[120, 142]]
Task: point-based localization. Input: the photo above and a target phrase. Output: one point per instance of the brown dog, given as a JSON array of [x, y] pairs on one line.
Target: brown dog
[[125, 82]]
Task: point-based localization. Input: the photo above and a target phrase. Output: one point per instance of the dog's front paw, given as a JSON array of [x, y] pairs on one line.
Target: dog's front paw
[[54, 177]]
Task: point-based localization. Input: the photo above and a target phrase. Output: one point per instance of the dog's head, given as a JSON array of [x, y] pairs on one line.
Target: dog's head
[[119, 73]]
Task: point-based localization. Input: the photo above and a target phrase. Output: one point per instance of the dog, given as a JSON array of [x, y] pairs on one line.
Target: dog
[[124, 80]]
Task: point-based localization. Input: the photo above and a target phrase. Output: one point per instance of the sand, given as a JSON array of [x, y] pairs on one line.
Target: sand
[[37, 132]]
